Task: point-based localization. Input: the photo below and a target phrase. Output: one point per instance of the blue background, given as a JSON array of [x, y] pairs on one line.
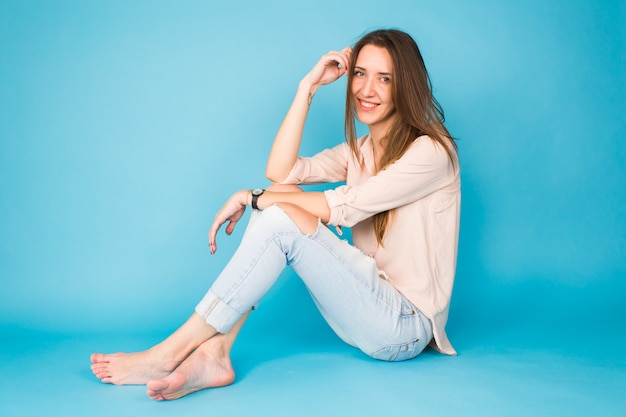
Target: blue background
[[124, 126]]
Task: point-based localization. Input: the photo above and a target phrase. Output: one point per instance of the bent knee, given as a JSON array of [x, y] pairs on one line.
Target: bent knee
[[306, 222]]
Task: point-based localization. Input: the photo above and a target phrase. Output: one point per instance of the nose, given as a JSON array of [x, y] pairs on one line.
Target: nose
[[368, 88]]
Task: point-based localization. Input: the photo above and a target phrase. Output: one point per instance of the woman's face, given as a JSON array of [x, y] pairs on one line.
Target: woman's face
[[371, 89]]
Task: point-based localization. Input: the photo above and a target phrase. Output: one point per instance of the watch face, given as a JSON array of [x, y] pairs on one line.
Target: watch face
[[257, 191]]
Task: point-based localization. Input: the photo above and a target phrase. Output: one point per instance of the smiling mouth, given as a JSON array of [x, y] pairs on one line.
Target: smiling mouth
[[367, 105]]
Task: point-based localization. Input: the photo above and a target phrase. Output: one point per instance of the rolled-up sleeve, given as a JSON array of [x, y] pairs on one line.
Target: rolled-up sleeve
[[423, 169], [330, 165]]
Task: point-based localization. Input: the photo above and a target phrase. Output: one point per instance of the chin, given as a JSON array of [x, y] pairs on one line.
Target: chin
[[368, 119]]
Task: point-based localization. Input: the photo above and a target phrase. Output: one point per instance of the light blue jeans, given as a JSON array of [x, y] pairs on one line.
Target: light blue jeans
[[365, 310]]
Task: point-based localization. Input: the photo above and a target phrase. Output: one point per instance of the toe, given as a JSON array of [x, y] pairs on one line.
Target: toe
[[157, 385], [99, 369], [98, 358], [155, 395]]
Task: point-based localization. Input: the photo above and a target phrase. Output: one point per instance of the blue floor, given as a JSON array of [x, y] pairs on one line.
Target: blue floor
[[124, 126], [525, 368]]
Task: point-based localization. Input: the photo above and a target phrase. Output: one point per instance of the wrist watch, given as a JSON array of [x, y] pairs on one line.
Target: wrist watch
[[256, 193]]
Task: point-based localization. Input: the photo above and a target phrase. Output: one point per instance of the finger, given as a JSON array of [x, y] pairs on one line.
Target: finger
[[338, 55], [213, 234], [212, 247], [336, 58], [231, 227], [346, 55], [345, 52], [332, 58]]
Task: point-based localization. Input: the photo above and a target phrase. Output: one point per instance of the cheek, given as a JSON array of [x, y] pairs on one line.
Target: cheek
[[386, 93]]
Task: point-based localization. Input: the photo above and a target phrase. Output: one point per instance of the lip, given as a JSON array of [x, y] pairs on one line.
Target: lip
[[367, 106]]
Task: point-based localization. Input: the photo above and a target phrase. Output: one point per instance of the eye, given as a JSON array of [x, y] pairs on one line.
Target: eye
[[385, 79], [359, 73]]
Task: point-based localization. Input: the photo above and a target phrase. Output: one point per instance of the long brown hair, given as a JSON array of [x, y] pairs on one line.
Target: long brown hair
[[416, 113]]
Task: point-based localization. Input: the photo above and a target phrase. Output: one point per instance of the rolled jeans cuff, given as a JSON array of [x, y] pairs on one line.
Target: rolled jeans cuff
[[217, 313]]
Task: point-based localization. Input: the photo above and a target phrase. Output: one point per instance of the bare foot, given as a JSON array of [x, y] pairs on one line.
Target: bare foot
[[158, 361], [208, 367], [131, 368]]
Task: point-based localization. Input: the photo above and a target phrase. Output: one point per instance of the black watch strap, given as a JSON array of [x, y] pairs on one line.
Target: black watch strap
[[256, 193]]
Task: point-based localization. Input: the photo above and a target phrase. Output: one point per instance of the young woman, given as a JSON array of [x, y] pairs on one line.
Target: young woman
[[387, 295]]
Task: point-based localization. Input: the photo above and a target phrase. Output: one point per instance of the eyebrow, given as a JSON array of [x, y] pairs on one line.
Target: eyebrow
[[356, 67]]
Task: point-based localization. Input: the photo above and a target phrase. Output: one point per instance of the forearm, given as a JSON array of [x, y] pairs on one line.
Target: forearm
[[287, 142], [286, 145], [313, 202]]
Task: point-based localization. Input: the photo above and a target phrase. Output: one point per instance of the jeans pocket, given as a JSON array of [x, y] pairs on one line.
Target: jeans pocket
[[397, 353]]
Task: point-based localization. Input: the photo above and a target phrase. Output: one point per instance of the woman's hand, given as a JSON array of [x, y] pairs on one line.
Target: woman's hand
[[231, 212], [329, 68]]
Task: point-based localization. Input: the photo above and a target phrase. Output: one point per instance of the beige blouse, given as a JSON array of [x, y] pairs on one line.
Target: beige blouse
[[420, 244]]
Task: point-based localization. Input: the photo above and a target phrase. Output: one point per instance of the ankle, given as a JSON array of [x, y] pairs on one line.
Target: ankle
[[217, 346]]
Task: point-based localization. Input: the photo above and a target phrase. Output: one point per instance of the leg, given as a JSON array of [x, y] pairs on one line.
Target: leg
[[208, 367], [156, 362], [365, 310], [357, 299], [160, 360]]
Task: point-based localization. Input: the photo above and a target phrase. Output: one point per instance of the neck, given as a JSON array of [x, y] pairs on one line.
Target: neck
[[378, 131], [377, 149]]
